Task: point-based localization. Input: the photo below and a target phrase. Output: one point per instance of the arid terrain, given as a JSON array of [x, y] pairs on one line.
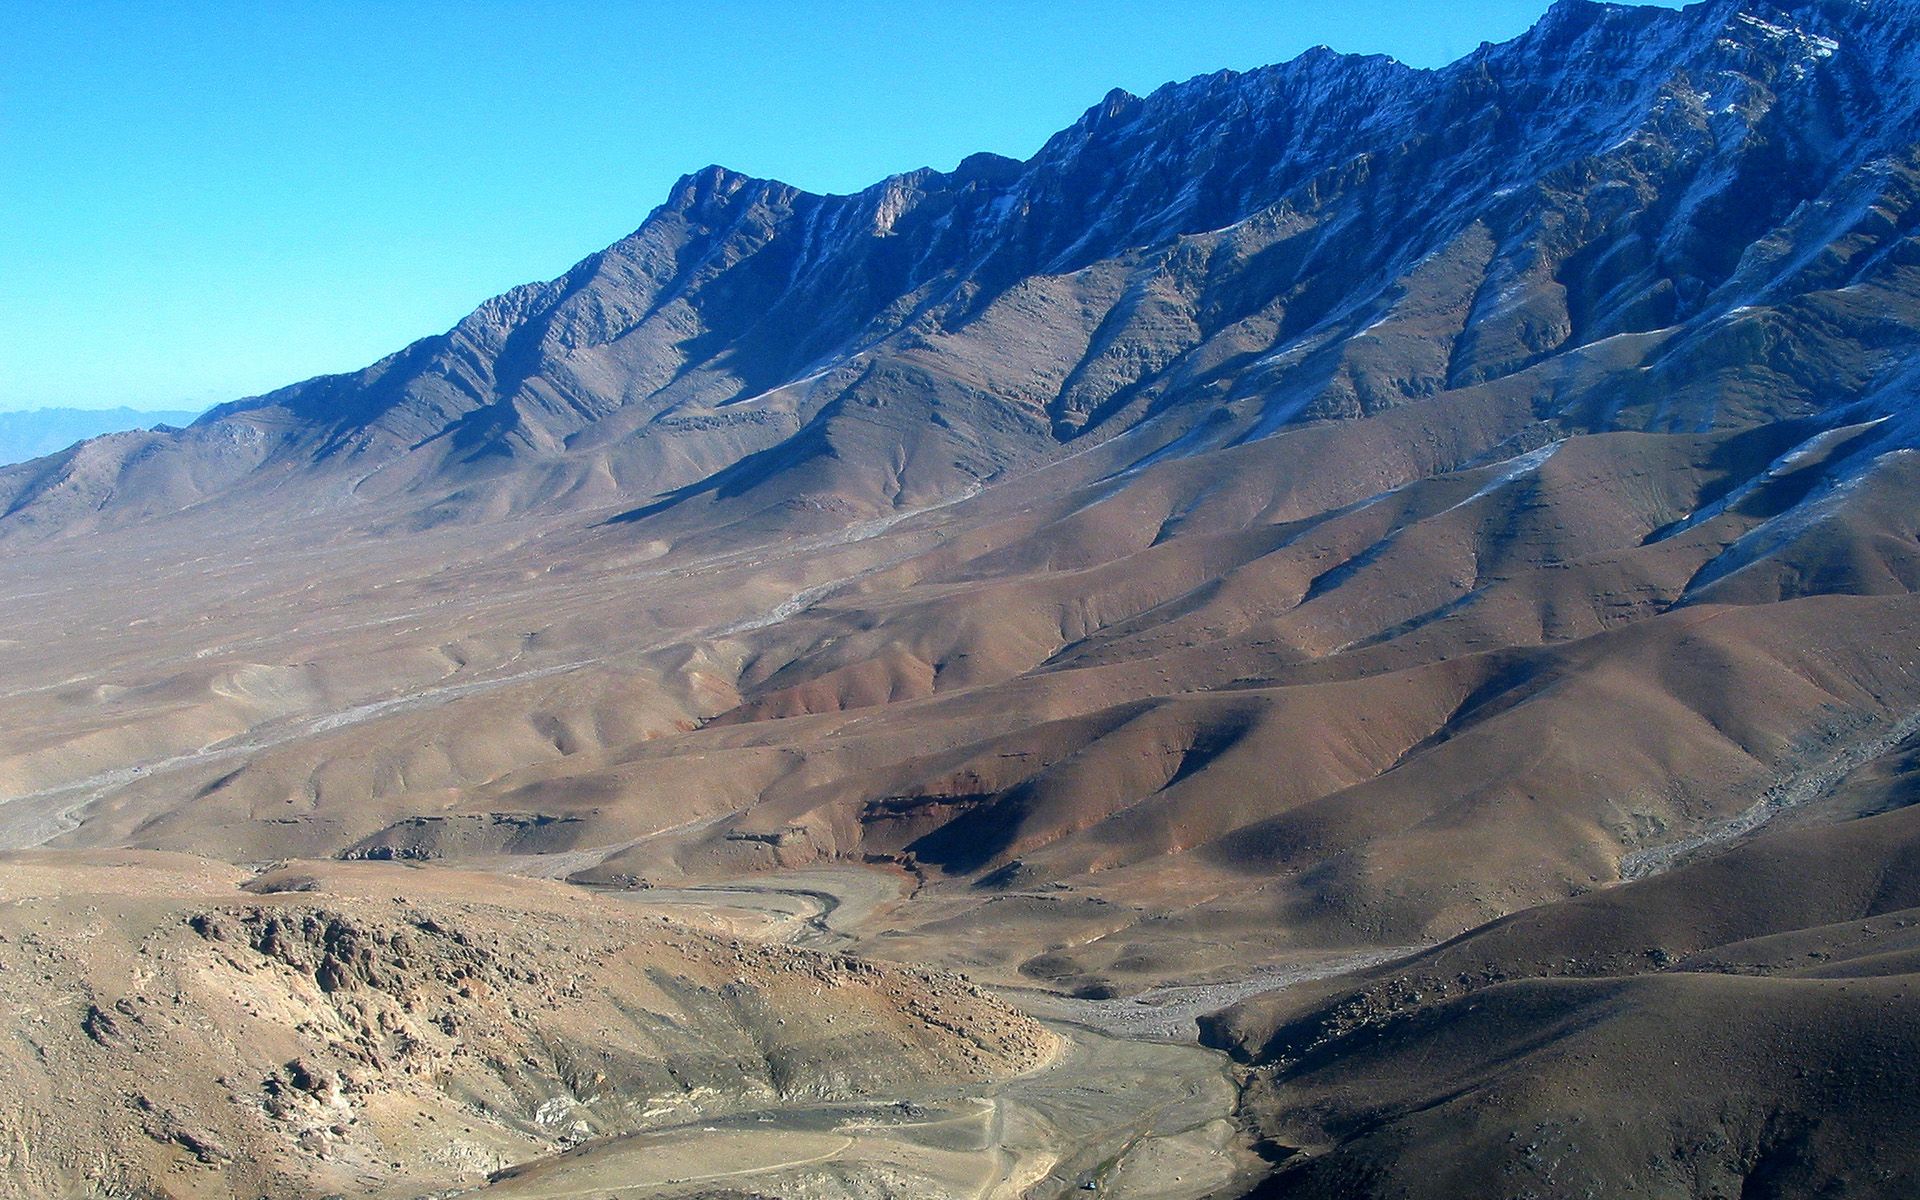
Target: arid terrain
[[1341, 631]]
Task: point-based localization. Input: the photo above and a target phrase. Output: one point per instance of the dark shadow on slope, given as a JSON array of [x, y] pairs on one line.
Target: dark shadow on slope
[[745, 474]]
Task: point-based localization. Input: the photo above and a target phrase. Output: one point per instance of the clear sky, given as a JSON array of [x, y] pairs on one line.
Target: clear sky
[[205, 200]]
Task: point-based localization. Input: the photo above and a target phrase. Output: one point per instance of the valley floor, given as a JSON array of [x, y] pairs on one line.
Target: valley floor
[[1128, 1108]]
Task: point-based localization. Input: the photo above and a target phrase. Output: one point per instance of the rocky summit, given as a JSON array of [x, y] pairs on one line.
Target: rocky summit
[[1368, 612]]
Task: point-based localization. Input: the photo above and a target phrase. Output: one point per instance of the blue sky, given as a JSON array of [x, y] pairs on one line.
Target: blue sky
[[205, 200]]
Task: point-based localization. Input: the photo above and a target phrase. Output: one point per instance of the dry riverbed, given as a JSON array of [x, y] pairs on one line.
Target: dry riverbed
[[1134, 1119], [1132, 1107]]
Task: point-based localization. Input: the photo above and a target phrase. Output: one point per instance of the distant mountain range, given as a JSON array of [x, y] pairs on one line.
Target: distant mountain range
[[43, 431]]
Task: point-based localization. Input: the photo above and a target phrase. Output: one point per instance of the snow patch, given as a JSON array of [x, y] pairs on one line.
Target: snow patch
[[1517, 468]]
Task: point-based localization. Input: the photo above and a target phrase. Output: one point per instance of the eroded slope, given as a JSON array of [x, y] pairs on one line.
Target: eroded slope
[[183, 1029]]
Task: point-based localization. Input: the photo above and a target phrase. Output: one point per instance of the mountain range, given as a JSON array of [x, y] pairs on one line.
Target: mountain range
[[1329, 238], [1442, 540]]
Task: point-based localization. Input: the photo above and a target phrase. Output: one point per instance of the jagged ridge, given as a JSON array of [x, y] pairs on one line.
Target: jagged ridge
[[1320, 238]]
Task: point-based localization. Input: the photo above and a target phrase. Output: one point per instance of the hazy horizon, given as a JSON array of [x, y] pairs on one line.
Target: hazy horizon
[[145, 410]]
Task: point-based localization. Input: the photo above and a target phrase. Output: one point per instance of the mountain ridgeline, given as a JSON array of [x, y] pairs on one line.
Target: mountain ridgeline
[[1701, 216], [39, 432]]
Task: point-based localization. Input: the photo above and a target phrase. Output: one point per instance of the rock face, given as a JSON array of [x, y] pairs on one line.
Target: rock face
[[171, 1035], [1701, 216]]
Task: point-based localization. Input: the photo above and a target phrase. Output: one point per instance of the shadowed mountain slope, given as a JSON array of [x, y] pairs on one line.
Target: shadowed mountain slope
[[1732, 1010]]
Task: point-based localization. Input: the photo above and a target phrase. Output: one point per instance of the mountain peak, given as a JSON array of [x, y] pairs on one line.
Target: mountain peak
[[1115, 106], [709, 185]]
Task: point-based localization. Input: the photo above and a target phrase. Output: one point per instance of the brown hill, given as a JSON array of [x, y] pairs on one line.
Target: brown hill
[[1740, 1026], [181, 1029]]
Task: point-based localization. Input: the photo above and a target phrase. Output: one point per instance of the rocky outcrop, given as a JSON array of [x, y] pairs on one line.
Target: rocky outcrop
[[166, 1040]]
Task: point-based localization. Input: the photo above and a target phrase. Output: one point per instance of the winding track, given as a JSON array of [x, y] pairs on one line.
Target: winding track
[[1131, 1092]]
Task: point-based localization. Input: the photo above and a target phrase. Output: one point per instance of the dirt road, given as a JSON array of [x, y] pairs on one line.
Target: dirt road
[[1132, 1107]]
